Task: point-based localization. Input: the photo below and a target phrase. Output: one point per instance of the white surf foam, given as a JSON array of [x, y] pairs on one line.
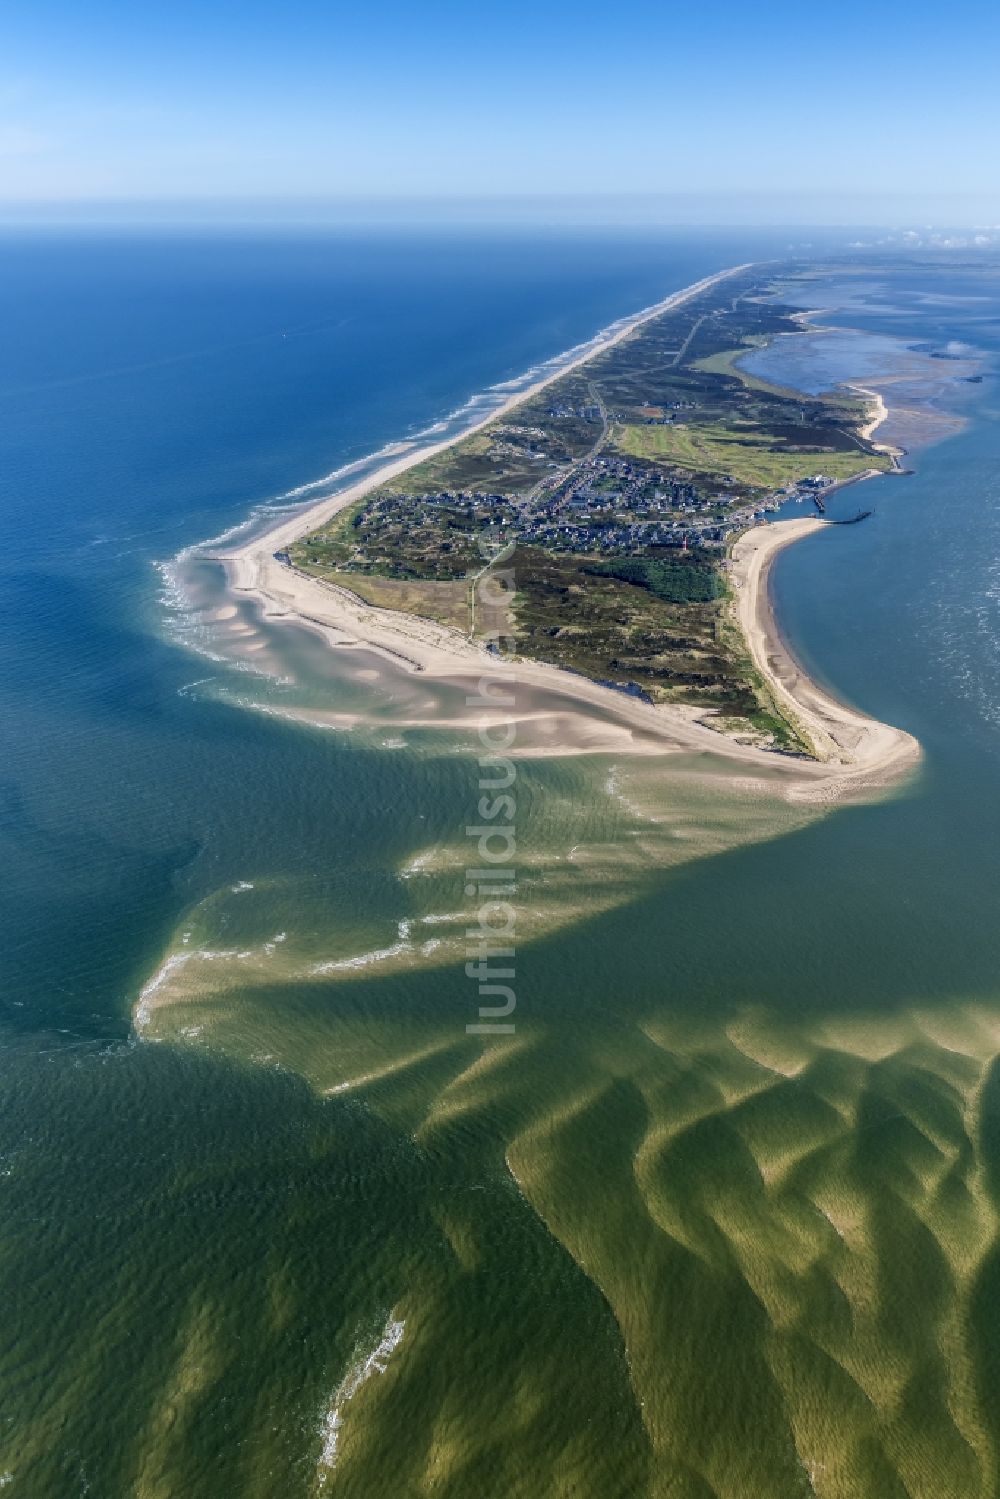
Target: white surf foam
[[144, 1009], [364, 959], [364, 1367]]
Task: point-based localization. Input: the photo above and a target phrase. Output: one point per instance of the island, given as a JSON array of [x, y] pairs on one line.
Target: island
[[607, 507]]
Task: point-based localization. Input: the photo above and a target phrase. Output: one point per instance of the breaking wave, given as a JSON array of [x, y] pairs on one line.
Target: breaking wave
[[374, 1362]]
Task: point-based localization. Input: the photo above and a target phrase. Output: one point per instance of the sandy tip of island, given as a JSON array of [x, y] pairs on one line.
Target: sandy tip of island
[[854, 753], [842, 738]]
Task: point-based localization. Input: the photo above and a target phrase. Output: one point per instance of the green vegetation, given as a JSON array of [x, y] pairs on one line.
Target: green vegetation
[[575, 616], [677, 580], [447, 602], [376, 538], [741, 455]]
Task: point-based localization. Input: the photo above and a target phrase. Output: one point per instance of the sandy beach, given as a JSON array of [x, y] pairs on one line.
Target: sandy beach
[[840, 735], [851, 749], [879, 415]]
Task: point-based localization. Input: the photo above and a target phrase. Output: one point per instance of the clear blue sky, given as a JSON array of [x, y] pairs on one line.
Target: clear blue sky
[[106, 99]]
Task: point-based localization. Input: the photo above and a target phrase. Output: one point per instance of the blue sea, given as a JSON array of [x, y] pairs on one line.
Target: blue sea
[[722, 1219]]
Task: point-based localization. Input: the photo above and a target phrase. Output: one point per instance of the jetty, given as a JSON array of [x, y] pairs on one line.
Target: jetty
[[852, 520]]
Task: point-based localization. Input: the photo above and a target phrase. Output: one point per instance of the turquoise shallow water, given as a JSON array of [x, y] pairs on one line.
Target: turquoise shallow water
[[721, 1218]]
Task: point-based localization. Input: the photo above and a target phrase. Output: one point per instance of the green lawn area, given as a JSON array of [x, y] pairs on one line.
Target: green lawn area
[[752, 458]]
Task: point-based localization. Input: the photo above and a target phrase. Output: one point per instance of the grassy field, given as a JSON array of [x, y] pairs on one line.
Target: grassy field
[[446, 602], [749, 457]]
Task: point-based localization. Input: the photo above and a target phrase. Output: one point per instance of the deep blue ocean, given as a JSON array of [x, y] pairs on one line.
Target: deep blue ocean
[[750, 1126]]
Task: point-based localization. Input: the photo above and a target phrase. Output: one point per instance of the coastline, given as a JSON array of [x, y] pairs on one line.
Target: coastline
[[840, 736], [878, 416], [849, 747], [915, 423]]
